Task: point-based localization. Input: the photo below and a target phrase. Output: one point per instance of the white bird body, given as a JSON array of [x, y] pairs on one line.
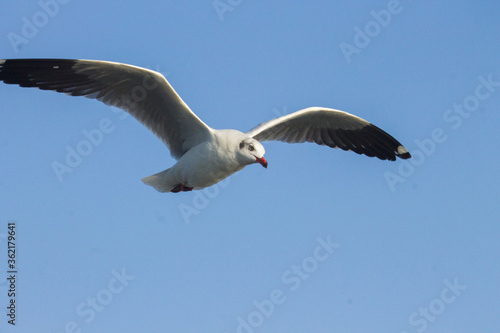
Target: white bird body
[[203, 165], [205, 155]]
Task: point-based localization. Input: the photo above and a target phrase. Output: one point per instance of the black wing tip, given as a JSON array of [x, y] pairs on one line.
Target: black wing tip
[[37, 60], [36, 63], [32, 72], [403, 153], [385, 146]]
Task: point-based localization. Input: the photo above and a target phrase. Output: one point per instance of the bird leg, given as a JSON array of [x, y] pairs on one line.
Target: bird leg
[[180, 187], [187, 189]]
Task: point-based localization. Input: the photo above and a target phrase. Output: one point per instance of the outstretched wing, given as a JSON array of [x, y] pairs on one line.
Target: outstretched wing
[[143, 93], [334, 128]]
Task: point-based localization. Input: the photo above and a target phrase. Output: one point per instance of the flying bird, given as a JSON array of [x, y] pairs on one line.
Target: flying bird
[[205, 156]]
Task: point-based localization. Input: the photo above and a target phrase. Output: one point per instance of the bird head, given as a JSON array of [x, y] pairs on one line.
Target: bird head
[[251, 151]]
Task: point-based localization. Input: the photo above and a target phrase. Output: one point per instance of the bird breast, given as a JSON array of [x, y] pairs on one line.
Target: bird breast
[[206, 165]]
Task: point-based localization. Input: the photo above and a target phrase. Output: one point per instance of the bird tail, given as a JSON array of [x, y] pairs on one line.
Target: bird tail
[[159, 181]]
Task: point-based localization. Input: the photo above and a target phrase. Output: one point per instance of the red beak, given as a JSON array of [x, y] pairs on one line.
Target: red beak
[[262, 161]]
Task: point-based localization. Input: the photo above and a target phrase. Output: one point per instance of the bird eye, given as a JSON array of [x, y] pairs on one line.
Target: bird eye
[[250, 147]]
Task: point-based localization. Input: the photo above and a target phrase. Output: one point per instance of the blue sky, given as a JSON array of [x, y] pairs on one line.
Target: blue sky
[[323, 240]]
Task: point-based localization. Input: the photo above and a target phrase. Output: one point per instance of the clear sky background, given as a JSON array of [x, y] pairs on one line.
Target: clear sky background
[[416, 244]]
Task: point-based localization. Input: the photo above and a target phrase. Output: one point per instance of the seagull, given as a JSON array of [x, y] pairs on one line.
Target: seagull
[[204, 155]]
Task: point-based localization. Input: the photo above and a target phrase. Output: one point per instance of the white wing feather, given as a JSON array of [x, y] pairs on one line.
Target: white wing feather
[[143, 93], [334, 128]]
